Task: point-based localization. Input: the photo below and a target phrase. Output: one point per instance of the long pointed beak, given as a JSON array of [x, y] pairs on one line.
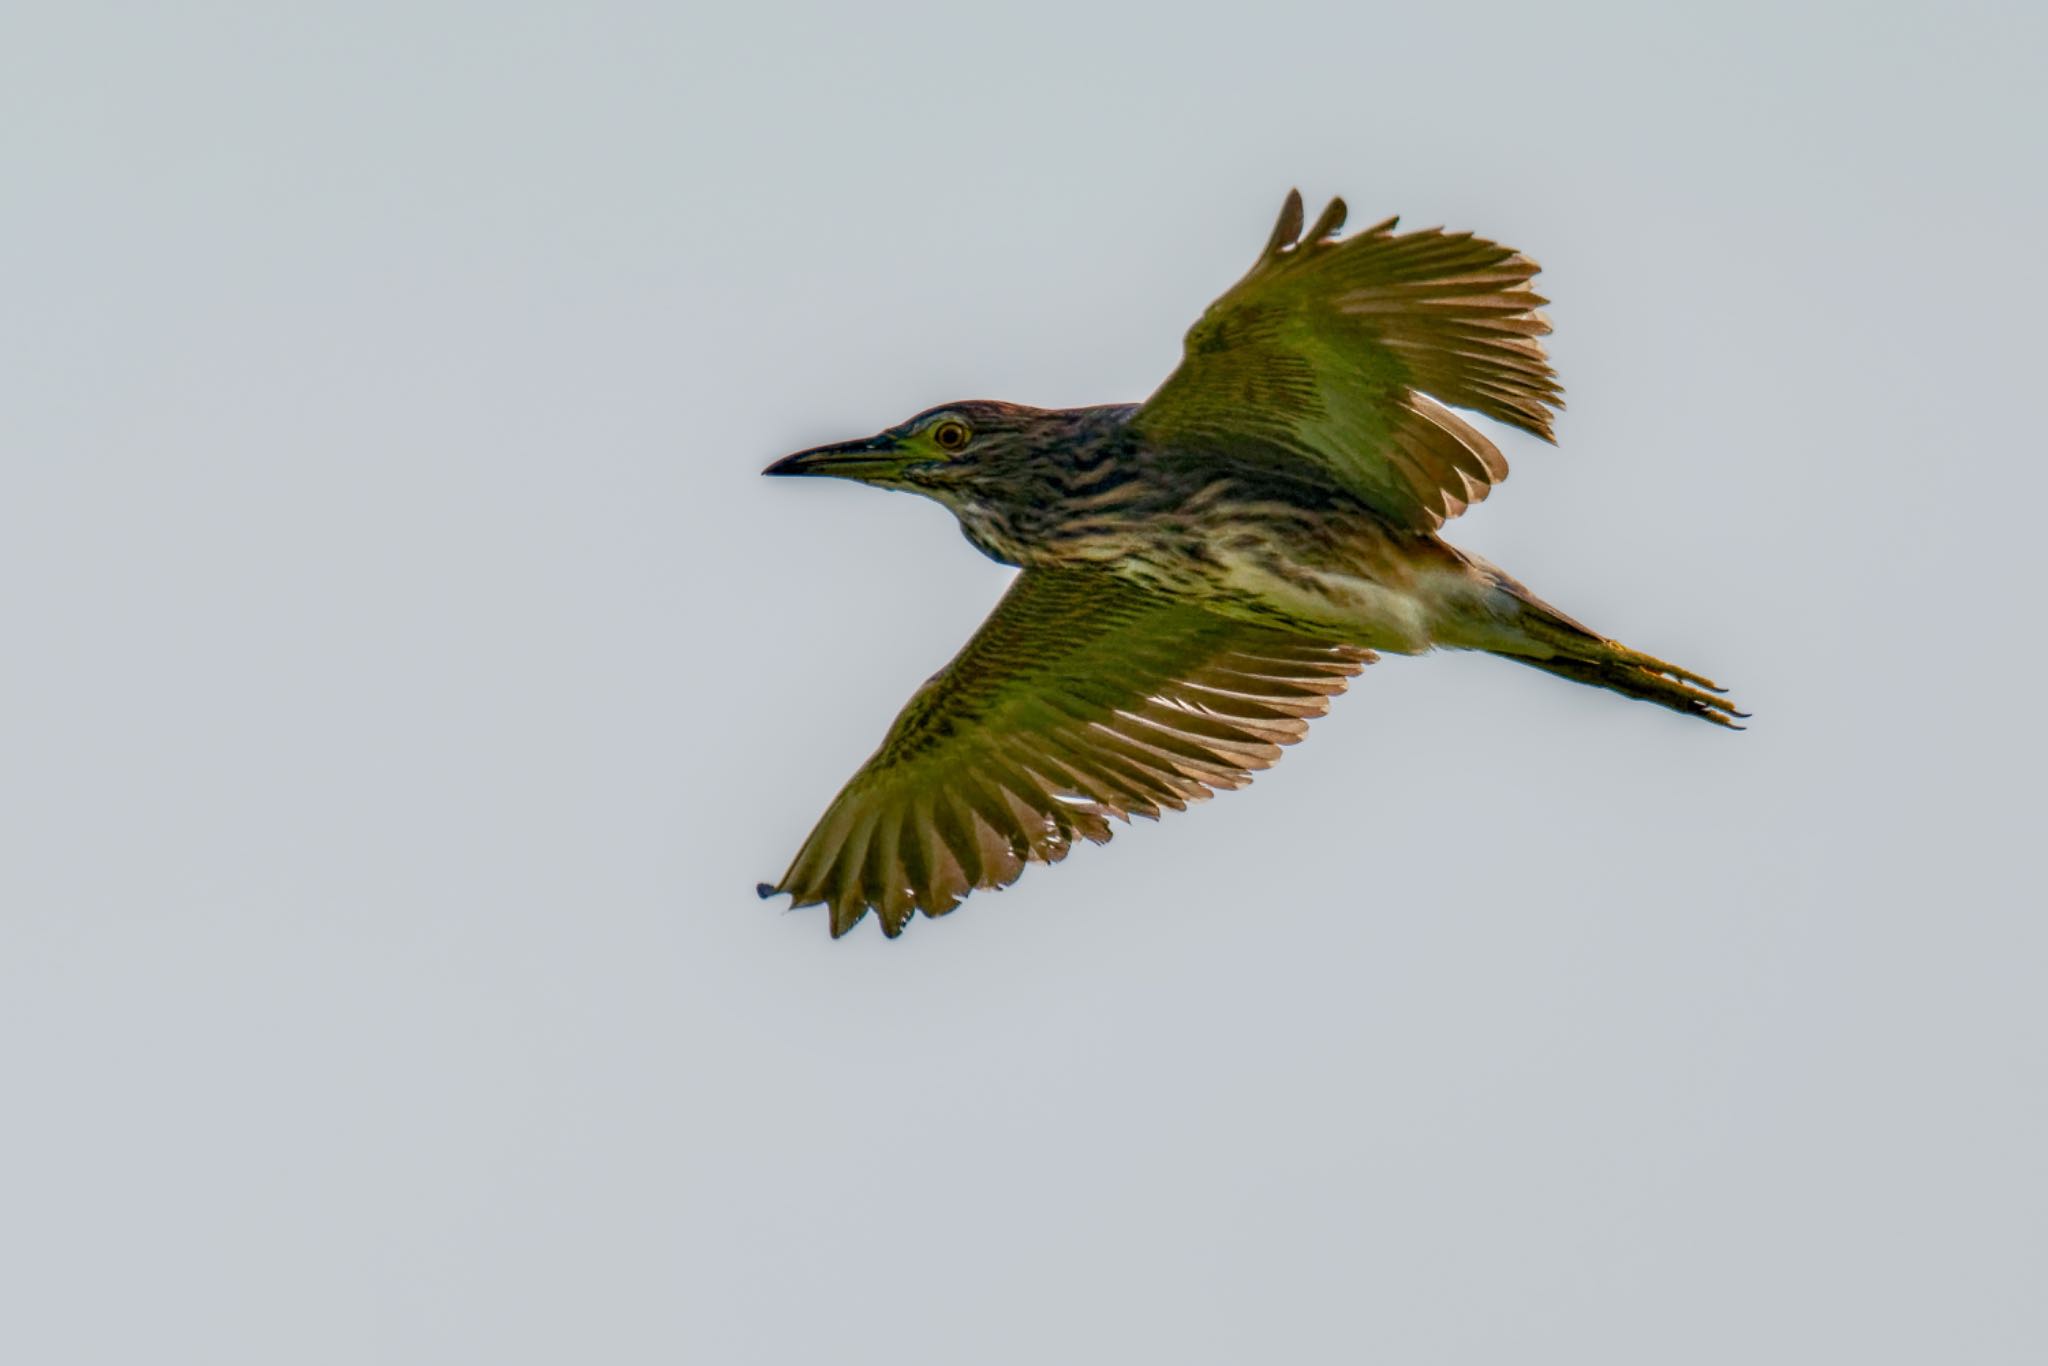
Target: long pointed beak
[[846, 460]]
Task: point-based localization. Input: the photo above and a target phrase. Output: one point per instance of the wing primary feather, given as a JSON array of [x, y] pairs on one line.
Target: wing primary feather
[[1288, 229], [1329, 224], [956, 828]]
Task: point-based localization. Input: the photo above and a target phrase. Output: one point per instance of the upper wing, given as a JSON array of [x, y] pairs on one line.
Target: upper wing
[[1081, 697], [1319, 352]]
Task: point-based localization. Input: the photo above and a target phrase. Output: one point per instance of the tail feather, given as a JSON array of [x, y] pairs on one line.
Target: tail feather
[[1545, 638], [1650, 681]]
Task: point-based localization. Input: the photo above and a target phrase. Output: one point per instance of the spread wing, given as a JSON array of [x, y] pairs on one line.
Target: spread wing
[[1332, 352], [1080, 698]]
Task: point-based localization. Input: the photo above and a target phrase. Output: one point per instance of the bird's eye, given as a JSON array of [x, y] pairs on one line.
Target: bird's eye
[[951, 435]]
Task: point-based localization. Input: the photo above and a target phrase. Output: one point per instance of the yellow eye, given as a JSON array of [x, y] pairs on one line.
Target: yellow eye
[[951, 435]]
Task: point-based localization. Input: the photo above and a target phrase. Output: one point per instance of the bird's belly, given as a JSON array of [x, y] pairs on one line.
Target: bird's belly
[[1396, 614]]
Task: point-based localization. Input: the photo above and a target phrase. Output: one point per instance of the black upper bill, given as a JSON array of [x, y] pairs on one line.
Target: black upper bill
[[846, 460]]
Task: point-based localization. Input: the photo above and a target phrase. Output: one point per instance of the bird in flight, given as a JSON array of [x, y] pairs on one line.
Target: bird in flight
[[1204, 571]]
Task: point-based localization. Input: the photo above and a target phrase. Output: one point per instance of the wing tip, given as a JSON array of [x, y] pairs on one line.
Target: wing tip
[[1330, 222], [1286, 231], [846, 914]]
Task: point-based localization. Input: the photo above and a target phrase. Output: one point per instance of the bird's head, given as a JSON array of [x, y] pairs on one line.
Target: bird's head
[[977, 457]]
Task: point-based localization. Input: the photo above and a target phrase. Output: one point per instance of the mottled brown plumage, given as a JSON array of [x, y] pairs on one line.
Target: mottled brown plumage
[[1202, 573]]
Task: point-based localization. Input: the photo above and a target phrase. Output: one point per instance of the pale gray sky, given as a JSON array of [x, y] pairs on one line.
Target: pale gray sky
[[408, 678]]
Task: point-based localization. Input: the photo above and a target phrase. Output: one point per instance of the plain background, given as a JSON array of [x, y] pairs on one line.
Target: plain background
[[407, 678]]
